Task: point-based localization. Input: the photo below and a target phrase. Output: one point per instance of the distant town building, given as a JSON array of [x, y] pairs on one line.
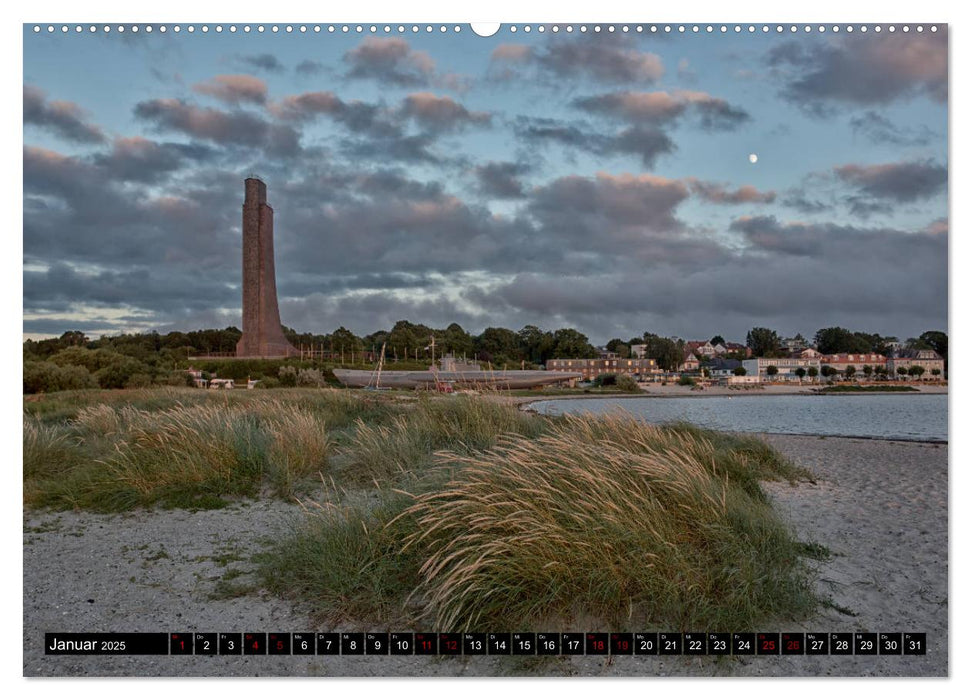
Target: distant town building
[[794, 345], [197, 377], [702, 348], [928, 359], [840, 361], [735, 379], [690, 363], [738, 348], [720, 367], [705, 348], [591, 369], [638, 351], [786, 366]]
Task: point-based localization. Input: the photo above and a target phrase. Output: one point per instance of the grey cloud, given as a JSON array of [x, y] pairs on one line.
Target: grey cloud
[[766, 234], [263, 61], [594, 222], [861, 70], [611, 59], [501, 180], [115, 222], [136, 286], [793, 292], [357, 116], [897, 182], [414, 148], [65, 119], [646, 141], [879, 130], [237, 128], [138, 159], [799, 200], [308, 67]]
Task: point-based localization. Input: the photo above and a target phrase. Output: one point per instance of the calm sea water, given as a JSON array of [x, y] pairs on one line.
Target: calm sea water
[[902, 416]]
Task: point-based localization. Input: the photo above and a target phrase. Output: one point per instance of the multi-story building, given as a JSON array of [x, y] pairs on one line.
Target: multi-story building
[[786, 367], [928, 359], [591, 369], [857, 360]]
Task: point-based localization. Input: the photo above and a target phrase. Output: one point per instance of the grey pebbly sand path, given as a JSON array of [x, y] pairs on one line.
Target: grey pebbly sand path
[[879, 506]]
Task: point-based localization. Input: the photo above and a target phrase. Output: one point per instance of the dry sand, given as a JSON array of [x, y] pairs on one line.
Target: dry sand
[[879, 506]]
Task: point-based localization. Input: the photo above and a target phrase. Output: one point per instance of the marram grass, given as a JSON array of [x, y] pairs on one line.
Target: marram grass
[[397, 449], [116, 456]]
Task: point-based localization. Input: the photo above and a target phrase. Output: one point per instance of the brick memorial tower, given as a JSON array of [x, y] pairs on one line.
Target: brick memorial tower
[[262, 332]]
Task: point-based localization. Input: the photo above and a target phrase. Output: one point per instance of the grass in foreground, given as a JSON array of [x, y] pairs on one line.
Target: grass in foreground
[[178, 448], [607, 520], [478, 516]]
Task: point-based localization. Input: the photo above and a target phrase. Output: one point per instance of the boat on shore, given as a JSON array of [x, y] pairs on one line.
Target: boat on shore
[[436, 379]]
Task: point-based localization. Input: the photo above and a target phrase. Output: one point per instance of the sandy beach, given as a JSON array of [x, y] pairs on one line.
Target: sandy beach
[[879, 506]]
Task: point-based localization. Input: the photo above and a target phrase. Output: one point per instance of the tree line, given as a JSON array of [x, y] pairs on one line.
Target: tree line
[[73, 361]]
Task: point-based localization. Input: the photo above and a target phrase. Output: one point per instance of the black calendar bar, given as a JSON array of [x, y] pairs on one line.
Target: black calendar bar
[[384, 644]]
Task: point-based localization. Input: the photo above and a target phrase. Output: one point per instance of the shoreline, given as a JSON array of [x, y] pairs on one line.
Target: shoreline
[[879, 506], [683, 392], [525, 404]]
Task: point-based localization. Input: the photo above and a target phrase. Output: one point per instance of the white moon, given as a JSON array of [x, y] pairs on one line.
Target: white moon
[[752, 158]]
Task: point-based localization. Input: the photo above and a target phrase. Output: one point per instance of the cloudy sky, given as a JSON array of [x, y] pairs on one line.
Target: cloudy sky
[[594, 180]]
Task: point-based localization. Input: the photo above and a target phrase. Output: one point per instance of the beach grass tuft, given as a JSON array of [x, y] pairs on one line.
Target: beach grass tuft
[[396, 450], [603, 519], [119, 455]]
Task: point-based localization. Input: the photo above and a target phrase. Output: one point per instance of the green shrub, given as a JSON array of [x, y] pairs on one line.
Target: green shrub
[[48, 377], [119, 372], [685, 380], [287, 376], [310, 377], [625, 382]]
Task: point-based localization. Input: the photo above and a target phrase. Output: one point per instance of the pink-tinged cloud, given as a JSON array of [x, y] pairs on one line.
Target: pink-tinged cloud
[[717, 193], [514, 53], [938, 227], [307, 105], [65, 119], [660, 107], [389, 60], [436, 112], [234, 89]]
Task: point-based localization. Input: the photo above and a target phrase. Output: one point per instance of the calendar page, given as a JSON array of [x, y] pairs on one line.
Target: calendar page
[[524, 349]]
